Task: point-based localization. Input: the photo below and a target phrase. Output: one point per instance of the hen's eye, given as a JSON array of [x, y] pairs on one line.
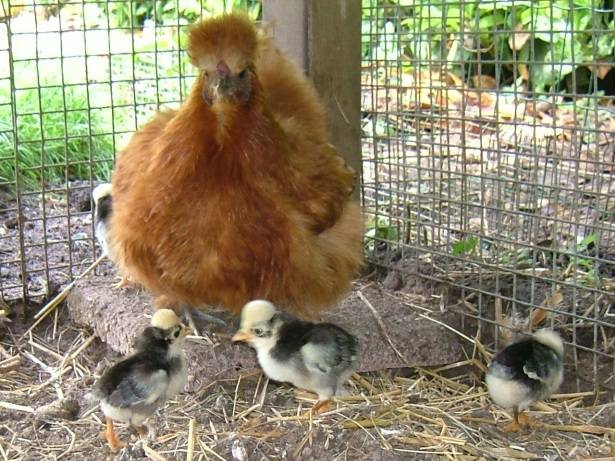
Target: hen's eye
[[243, 73]]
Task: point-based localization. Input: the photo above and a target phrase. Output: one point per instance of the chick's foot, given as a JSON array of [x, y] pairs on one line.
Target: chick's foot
[[323, 406], [512, 427], [525, 420], [112, 439]]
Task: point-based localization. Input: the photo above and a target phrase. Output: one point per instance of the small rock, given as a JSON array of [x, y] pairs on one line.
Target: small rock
[[239, 451], [137, 451], [4, 272]]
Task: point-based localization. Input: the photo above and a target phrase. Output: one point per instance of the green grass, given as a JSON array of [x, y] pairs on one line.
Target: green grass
[[54, 145], [66, 128]]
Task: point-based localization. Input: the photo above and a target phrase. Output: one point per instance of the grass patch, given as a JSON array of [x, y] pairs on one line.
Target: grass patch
[[73, 114], [58, 139]]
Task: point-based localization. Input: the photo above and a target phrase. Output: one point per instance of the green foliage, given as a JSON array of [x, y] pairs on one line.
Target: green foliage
[[69, 132], [466, 246], [583, 247], [379, 229], [546, 39], [54, 146], [169, 12], [586, 243]]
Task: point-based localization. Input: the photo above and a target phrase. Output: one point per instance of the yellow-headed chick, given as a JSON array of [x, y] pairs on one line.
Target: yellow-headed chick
[[134, 388], [317, 357], [525, 371]]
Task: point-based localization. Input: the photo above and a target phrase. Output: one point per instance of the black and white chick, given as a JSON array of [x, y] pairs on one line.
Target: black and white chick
[[525, 371], [317, 357], [134, 388], [103, 207]]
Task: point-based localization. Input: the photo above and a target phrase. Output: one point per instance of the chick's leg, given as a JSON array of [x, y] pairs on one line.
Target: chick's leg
[[514, 426], [112, 439], [525, 420]]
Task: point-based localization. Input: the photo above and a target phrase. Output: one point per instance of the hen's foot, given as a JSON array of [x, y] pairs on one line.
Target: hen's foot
[[124, 282], [201, 321]]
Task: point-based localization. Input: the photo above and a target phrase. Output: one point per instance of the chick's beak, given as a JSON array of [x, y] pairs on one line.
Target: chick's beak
[[186, 330], [242, 336]]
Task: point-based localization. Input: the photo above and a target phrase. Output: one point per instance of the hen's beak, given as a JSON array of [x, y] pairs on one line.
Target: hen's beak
[[242, 336], [223, 78]]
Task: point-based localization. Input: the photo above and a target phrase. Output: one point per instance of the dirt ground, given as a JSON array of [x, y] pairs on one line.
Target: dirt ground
[[53, 233], [436, 413]]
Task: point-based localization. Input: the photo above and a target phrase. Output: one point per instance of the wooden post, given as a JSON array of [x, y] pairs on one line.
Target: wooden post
[[324, 37], [289, 26]]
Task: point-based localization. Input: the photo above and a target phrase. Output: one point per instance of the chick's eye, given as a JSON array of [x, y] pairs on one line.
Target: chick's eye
[[176, 334], [258, 331]]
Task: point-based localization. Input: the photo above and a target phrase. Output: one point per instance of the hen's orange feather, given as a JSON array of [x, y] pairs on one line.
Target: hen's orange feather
[[218, 205]]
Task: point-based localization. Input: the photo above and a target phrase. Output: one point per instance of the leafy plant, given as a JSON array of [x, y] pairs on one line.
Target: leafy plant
[[379, 229], [533, 43], [586, 243], [133, 14], [583, 246], [466, 246]]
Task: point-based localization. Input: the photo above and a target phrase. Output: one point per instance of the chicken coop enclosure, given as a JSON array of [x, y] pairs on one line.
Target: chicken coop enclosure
[[485, 138]]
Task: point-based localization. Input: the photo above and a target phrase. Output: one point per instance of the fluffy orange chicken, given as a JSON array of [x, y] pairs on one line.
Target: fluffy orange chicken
[[238, 194]]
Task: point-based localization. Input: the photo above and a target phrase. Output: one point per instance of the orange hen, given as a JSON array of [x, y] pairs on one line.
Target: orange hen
[[238, 194]]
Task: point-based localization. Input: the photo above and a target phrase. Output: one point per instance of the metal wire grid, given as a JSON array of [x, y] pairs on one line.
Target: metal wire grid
[[74, 84], [501, 209], [497, 195]]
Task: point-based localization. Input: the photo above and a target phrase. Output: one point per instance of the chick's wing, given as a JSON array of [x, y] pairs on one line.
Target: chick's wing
[[139, 387], [328, 348], [540, 364]]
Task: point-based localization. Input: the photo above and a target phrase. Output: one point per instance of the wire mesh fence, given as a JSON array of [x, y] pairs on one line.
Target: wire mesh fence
[[77, 78], [488, 164], [488, 149]]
